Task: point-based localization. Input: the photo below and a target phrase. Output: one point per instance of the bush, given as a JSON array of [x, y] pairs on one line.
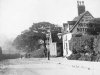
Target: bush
[[81, 45], [74, 56], [37, 54], [85, 57], [87, 46], [9, 56], [96, 56]]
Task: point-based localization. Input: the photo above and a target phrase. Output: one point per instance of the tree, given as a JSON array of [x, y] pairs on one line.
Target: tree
[[28, 39], [0, 50], [94, 26]]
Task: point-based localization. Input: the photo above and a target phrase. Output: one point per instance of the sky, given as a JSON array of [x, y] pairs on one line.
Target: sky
[[18, 15]]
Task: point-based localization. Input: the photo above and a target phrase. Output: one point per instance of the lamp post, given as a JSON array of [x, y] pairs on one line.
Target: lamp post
[[48, 36], [48, 43]]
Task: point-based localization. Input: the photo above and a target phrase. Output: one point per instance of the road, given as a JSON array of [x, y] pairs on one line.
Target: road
[[42, 66]]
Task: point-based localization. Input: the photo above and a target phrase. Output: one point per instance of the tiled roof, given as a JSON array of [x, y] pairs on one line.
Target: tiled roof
[[72, 22], [78, 19], [95, 21]]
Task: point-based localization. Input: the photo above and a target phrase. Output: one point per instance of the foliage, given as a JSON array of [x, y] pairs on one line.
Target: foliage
[[94, 26], [0, 50], [9, 56], [28, 39], [97, 44], [74, 56], [81, 52], [81, 44], [82, 47], [97, 48]]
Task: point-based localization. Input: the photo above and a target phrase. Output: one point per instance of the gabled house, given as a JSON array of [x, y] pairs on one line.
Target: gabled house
[[78, 25]]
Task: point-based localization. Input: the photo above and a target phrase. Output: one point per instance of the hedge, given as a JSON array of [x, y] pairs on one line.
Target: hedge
[[82, 47]]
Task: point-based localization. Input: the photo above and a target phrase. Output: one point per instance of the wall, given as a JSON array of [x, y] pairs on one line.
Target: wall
[[66, 38], [53, 49]]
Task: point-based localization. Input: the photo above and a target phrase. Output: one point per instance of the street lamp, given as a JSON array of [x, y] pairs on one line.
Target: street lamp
[[48, 43], [48, 36]]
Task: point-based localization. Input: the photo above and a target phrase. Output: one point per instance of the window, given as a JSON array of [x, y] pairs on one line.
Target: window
[[80, 24], [77, 29], [85, 25], [82, 20], [85, 29], [80, 29]]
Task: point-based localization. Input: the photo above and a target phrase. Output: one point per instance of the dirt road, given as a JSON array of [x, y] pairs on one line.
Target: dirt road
[[41, 66]]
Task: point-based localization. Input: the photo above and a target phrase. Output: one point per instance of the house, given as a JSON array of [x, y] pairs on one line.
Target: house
[[78, 25]]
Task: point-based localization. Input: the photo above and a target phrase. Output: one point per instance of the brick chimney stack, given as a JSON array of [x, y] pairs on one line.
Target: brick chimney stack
[[81, 7]]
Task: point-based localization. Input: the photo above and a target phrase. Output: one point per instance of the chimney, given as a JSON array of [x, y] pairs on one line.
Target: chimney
[[66, 27], [82, 2], [81, 7]]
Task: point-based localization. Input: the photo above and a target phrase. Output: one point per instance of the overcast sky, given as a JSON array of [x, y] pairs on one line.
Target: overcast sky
[[18, 15]]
